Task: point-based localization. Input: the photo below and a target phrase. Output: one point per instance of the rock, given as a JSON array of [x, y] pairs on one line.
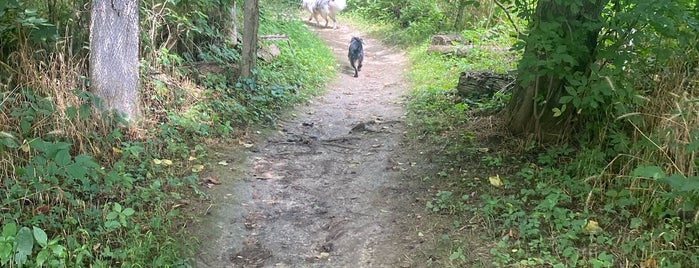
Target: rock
[[268, 54]]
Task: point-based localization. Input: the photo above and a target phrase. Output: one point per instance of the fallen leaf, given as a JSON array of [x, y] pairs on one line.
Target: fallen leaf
[[117, 150], [212, 180], [157, 161], [649, 263], [248, 145], [513, 234], [223, 163], [496, 181], [197, 168], [24, 147], [192, 158], [592, 227], [167, 162]]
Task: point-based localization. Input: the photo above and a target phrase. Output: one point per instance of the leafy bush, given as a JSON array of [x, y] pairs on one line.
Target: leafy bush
[[84, 189]]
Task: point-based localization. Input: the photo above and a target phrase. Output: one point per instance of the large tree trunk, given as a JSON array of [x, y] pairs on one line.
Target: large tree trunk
[[251, 14], [541, 85], [114, 55]]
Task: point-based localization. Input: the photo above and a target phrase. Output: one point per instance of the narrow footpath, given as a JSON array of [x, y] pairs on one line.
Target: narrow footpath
[[332, 185]]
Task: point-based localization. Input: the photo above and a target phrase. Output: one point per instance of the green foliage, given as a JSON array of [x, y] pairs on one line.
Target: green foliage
[[446, 202], [18, 247], [413, 22], [21, 21], [626, 192], [102, 194], [425, 17]]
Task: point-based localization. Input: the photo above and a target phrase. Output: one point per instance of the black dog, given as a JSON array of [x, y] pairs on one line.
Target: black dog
[[356, 53]]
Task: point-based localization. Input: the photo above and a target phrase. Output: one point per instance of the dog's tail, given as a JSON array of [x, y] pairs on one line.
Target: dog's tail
[[339, 4]]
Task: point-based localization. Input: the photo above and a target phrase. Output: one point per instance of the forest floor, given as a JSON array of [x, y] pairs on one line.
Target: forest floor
[[336, 184]]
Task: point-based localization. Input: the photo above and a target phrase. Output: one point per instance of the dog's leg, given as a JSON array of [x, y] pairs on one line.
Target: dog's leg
[[361, 59], [356, 72]]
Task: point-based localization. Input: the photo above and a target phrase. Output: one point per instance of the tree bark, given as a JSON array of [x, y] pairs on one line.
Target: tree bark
[[114, 56], [234, 23], [539, 85], [251, 14]]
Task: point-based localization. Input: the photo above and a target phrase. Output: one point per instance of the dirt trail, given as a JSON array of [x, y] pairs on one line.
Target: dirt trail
[[329, 189]]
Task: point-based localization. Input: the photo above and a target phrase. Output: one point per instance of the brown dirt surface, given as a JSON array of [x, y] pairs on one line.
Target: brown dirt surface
[[335, 185]]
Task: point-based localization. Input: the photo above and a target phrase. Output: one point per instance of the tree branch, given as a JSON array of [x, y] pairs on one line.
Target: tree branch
[[508, 17]]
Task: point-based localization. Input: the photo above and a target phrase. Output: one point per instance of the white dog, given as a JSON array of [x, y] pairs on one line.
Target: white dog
[[324, 8]]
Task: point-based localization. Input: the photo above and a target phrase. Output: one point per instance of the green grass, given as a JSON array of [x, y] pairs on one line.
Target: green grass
[[560, 206], [80, 191]]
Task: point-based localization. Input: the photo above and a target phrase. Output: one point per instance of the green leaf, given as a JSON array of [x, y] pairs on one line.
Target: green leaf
[[40, 236], [71, 112], [63, 157], [85, 111], [565, 99], [42, 257], [636, 223], [692, 146], [681, 183], [654, 172], [558, 112], [5, 252], [128, 211], [111, 225], [76, 171], [112, 215], [50, 149], [86, 161], [9, 230], [117, 207], [25, 244]]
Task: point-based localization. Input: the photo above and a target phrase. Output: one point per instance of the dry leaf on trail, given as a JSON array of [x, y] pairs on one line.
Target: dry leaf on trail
[[496, 181], [592, 227], [211, 180], [223, 163], [245, 144]]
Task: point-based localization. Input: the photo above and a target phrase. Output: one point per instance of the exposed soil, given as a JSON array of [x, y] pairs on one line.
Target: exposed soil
[[335, 185]]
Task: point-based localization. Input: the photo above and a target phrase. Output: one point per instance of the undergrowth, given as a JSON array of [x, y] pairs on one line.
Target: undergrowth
[[81, 188], [625, 198]]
